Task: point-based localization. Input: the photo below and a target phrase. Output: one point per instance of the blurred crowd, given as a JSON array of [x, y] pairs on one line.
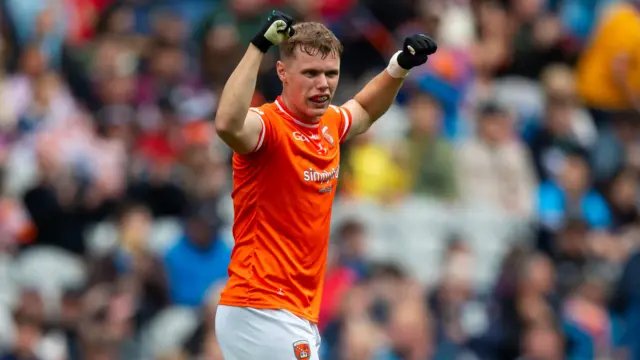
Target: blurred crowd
[[492, 213]]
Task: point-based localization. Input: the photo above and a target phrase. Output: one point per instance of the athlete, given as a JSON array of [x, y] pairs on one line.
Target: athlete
[[286, 164]]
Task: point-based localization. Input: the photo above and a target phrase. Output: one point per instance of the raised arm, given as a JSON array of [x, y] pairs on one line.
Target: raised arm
[[380, 93], [235, 124]]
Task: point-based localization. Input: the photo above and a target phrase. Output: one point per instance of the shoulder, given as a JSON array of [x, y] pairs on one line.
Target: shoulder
[[467, 146], [341, 119], [623, 9], [338, 111], [263, 112], [549, 189], [174, 250], [595, 198], [619, 15], [268, 117]]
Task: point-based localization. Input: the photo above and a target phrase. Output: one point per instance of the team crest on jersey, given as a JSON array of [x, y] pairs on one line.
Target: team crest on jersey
[[327, 136], [302, 350]]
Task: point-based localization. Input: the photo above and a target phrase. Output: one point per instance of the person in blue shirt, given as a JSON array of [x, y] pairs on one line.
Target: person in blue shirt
[[571, 196], [625, 305], [198, 260]]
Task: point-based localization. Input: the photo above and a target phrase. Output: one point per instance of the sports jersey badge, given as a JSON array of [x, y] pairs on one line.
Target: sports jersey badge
[[327, 136], [302, 350]]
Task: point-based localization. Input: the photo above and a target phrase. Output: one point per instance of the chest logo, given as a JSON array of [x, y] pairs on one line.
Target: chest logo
[[328, 137]]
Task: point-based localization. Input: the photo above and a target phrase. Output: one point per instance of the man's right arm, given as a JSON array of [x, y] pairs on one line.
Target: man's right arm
[[235, 124], [237, 127]]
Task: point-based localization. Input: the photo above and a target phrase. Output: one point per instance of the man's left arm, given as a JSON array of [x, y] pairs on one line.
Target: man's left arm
[[380, 93]]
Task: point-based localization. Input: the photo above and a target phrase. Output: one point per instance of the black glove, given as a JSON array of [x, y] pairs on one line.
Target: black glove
[[416, 51], [277, 29]]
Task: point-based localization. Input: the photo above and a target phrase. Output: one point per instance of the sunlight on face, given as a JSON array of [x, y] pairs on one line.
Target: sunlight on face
[[309, 83]]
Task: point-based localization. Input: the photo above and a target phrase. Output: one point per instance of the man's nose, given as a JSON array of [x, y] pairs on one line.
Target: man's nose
[[321, 82]]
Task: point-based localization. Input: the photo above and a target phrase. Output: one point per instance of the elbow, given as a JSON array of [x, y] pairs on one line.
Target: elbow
[[220, 126], [223, 127], [224, 120]]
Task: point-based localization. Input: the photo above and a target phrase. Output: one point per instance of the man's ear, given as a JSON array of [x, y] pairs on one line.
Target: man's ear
[[282, 73]]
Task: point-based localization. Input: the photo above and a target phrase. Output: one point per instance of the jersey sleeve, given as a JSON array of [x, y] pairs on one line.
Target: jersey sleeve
[[267, 132], [344, 125]]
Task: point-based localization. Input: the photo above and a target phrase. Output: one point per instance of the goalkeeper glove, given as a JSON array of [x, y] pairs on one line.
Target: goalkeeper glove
[[277, 29], [415, 52]]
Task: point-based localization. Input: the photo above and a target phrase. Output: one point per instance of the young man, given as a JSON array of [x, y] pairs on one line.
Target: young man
[[285, 169]]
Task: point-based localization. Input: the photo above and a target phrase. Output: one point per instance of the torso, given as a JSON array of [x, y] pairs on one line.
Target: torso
[[283, 195]]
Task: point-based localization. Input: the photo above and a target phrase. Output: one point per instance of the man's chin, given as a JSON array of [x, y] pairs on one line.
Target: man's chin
[[317, 111]]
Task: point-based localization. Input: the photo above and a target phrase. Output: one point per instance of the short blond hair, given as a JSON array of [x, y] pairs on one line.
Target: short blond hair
[[312, 38]]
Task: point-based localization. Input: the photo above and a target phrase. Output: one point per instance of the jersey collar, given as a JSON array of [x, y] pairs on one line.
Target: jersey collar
[[283, 108]]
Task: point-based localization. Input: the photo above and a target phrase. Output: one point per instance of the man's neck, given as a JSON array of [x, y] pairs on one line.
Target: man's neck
[[574, 195], [490, 142]]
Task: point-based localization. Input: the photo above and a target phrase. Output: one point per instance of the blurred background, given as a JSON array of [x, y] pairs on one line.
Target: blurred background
[[491, 214]]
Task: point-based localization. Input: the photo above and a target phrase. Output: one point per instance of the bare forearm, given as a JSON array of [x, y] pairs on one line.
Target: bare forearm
[[378, 95], [238, 92]]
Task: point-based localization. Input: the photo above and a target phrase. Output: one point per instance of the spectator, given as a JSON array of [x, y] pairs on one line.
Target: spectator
[[616, 148], [33, 64], [409, 329], [351, 243], [565, 129], [571, 196], [362, 339], [203, 340], [63, 204], [493, 162], [542, 342], [346, 266], [132, 260], [626, 302], [197, 261], [571, 256], [536, 43], [459, 314], [608, 68], [162, 195], [430, 158], [622, 199], [585, 313], [374, 172]]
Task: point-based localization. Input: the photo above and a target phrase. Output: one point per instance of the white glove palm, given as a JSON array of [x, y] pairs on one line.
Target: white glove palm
[[276, 33], [277, 29]]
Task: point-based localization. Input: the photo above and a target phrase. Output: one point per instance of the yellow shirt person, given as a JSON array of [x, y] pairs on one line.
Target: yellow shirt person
[[608, 73]]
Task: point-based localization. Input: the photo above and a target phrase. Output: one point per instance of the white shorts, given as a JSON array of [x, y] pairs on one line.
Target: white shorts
[[250, 334]]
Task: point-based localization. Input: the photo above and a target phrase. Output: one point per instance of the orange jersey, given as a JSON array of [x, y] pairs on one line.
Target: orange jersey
[[282, 197]]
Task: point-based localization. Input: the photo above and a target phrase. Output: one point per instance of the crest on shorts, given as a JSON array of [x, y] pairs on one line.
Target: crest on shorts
[[302, 350]]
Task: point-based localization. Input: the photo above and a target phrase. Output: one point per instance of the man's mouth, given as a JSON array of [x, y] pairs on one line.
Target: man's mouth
[[319, 99]]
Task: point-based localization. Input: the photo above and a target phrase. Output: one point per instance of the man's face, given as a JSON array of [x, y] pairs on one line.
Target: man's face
[[575, 175], [309, 82], [560, 106], [425, 113], [200, 233], [496, 128]]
